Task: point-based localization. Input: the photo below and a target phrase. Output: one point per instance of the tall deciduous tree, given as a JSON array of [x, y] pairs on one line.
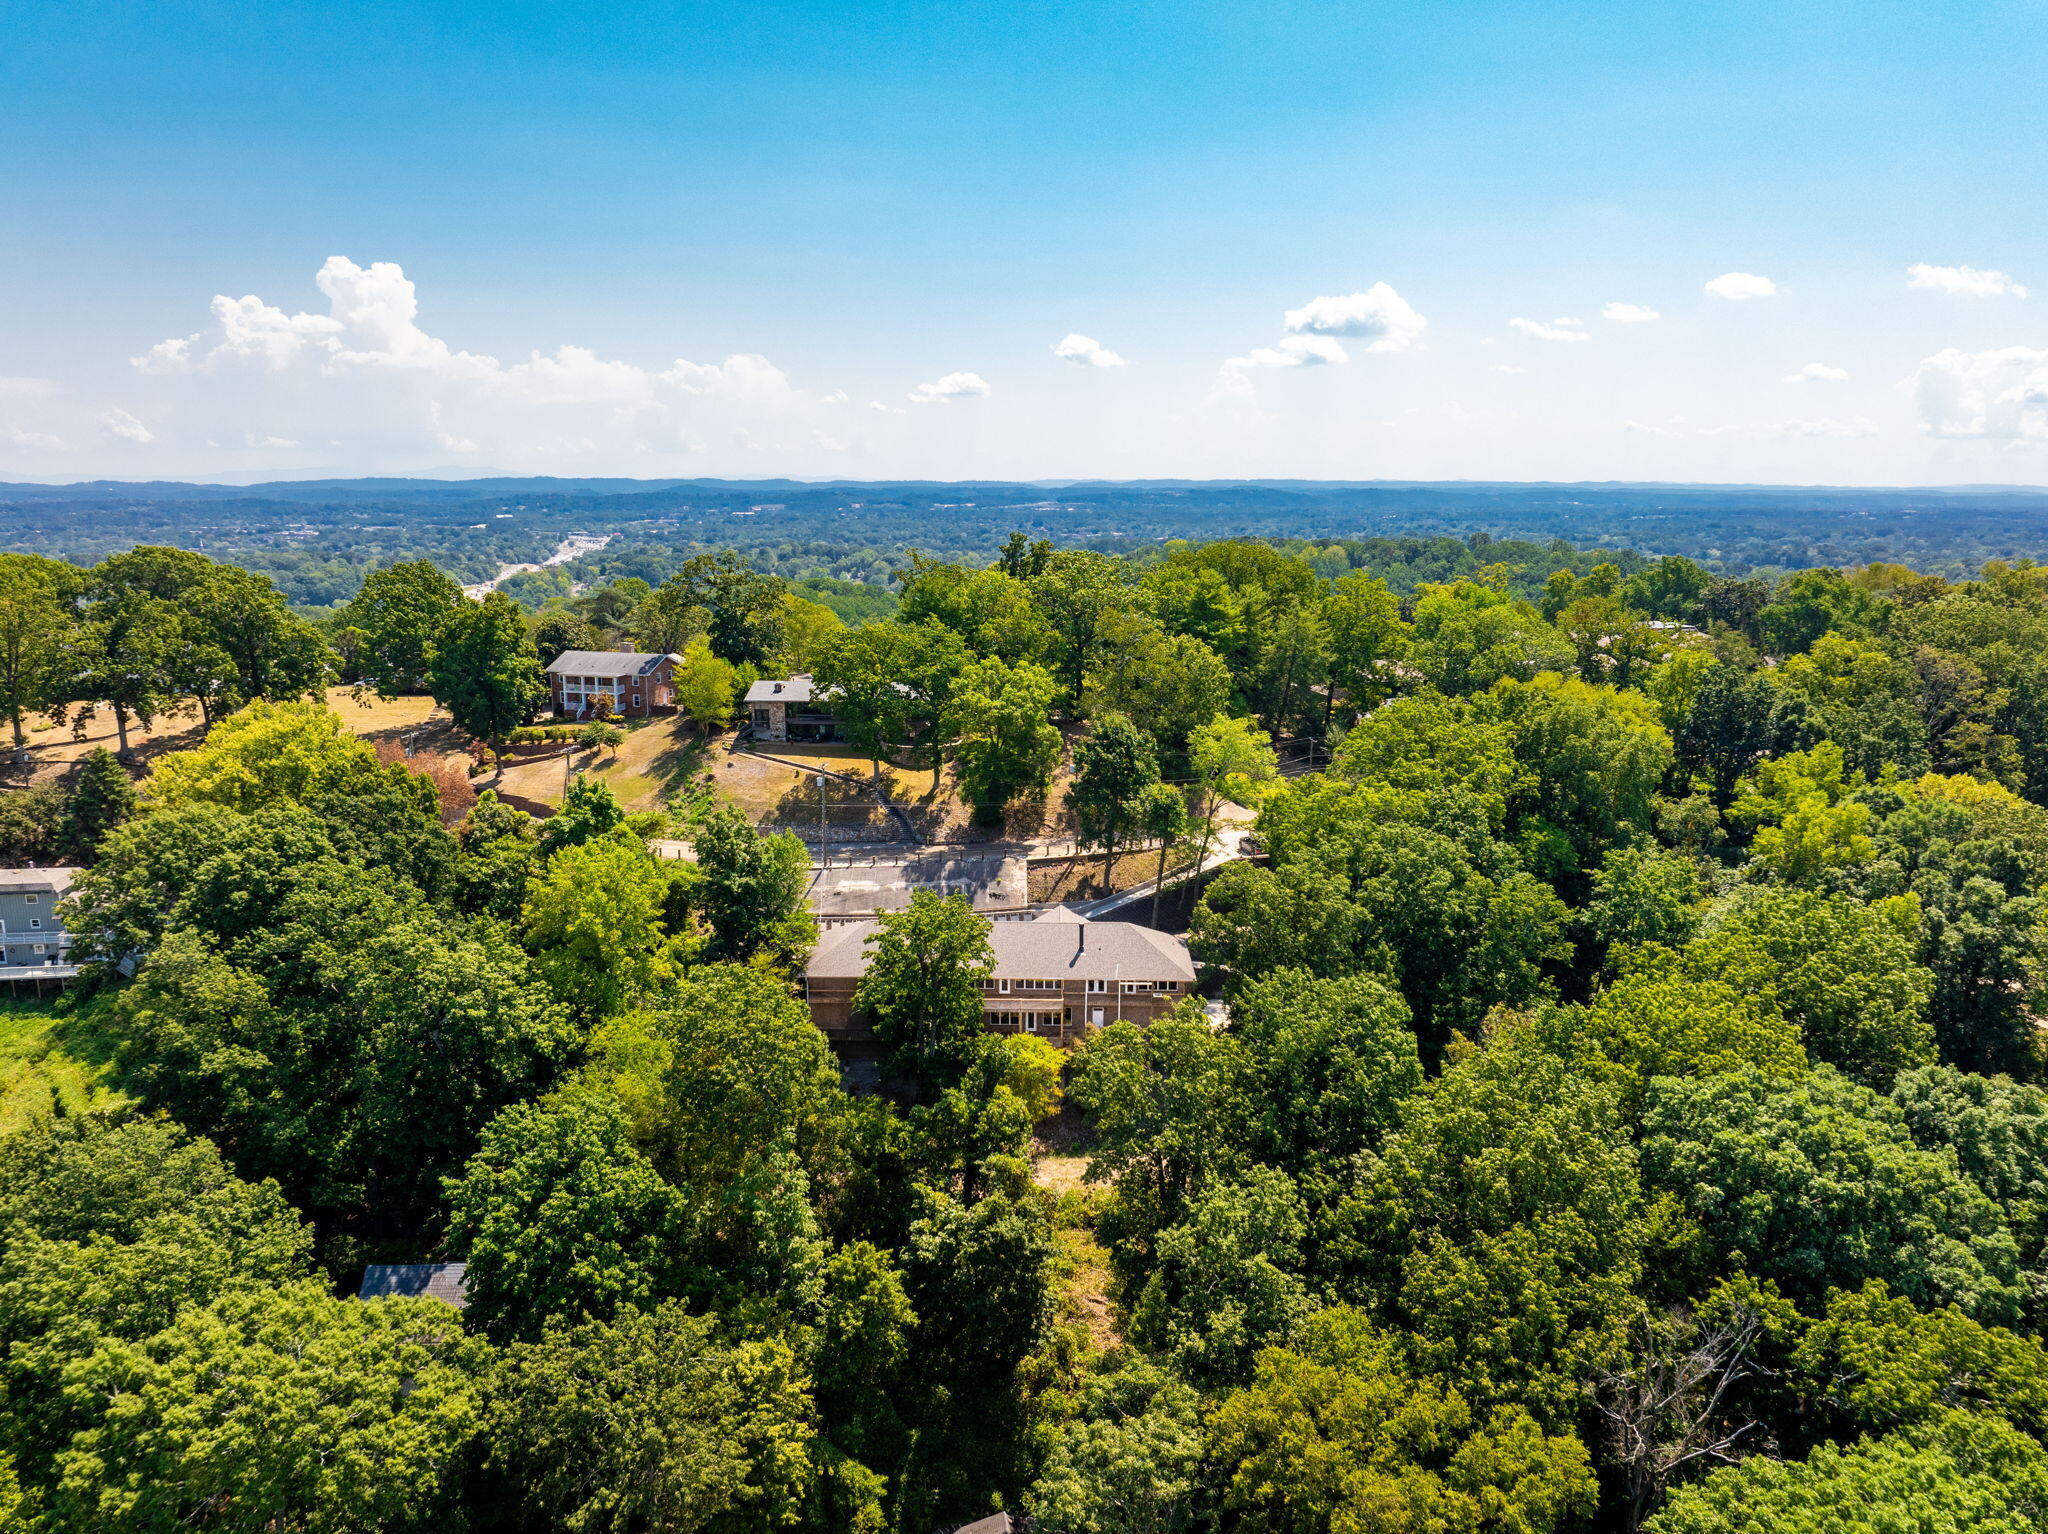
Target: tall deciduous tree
[[750, 890], [1114, 764], [485, 670], [922, 987], [40, 662], [400, 613], [1004, 744]]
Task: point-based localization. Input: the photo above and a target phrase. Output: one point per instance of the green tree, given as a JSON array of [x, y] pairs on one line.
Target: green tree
[[1171, 683], [706, 687], [1224, 1279], [1114, 765], [1228, 755], [1816, 1181], [1644, 895], [102, 797], [270, 1410], [400, 613], [39, 638], [743, 607], [589, 810], [1963, 1471], [1166, 1103], [1367, 639], [1162, 817], [498, 849], [1469, 635], [593, 921], [1004, 745], [1735, 719], [262, 754], [142, 636], [922, 987], [751, 891], [1129, 1462], [1335, 1433], [647, 1422], [1076, 591], [485, 670], [560, 1217], [273, 653], [1842, 971]]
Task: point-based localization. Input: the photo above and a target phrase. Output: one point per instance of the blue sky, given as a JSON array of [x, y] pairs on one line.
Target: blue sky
[[846, 239]]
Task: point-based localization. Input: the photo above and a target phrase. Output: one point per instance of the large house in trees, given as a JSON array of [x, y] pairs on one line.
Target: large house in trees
[[1057, 976], [623, 683], [790, 708]]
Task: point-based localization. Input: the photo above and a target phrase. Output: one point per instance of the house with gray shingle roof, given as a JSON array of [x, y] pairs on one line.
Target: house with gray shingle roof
[[1056, 976], [624, 683]]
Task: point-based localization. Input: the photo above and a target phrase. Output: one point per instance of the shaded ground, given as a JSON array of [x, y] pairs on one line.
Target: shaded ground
[[1080, 878]]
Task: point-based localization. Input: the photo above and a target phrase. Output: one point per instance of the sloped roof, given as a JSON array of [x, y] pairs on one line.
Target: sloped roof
[[789, 689], [37, 881], [435, 1280], [1057, 946], [605, 663]]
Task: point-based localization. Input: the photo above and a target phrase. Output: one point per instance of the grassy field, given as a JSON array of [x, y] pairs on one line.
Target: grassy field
[[48, 1057], [655, 763]]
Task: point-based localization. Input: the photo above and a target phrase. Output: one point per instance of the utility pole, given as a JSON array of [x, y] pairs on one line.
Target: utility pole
[[824, 828]]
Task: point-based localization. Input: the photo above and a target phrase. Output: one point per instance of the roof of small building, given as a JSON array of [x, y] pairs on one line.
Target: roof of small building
[[789, 689], [1056, 946], [606, 663], [19, 881], [995, 1523], [434, 1280]]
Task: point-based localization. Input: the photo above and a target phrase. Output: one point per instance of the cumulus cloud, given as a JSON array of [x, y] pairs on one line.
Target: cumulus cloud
[[1739, 286], [1856, 426], [14, 436], [1562, 329], [1629, 314], [952, 386], [1379, 316], [1085, 351], [1967, 280], [1509, 368], [2000, 394], [367, 371], [119, 423], [1817, 372]]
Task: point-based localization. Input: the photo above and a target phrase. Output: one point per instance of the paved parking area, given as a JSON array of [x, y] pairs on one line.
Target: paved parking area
[[857, 883]]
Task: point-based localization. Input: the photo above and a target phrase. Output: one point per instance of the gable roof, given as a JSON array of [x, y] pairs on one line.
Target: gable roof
[[435, 1280], [1056, 946], [605, 663]]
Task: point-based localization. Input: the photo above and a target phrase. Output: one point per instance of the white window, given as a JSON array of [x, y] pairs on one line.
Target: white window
[[35, 921], [1098, 985], [31, 899], [39, 948], [1003, 986]]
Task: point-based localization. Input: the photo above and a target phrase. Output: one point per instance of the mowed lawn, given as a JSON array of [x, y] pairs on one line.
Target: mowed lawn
[[656, 762]]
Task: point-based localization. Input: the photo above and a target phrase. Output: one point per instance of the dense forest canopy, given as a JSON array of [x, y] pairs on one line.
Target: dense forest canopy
[[1626, 1108], [318, 538]]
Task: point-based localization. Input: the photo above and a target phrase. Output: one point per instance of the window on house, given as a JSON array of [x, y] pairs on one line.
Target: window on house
[[1098, 985], [1038, 985], [35, 921], [30, 899]]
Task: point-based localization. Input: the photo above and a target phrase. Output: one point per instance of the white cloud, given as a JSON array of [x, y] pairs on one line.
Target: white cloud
[[1857, 426], [952, 386], [1629, 314], [1086, 351], [1644, 428], [2000, 394], [875, 404], [836, 397], [1967, 280], [1562, 329], [1738, 286], [1509, 368], [745, 376], [119, 423], [1379, 316], [16, 437], [1817, 372]]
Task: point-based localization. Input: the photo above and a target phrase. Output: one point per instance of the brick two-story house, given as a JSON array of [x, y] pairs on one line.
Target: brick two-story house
[[1056, 976], [635, 685]]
